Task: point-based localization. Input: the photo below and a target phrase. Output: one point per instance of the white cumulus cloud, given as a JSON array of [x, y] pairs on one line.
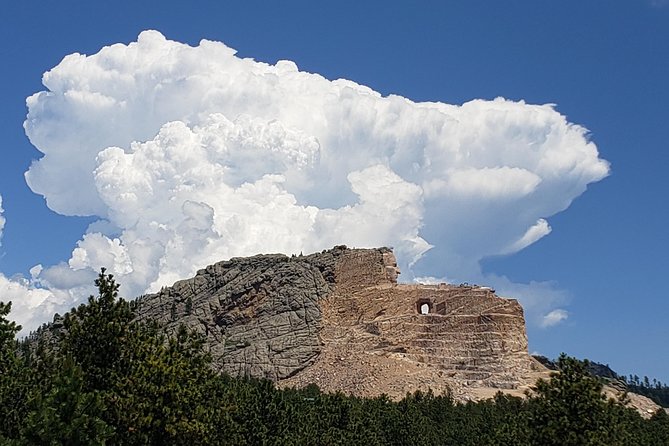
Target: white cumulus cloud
[[189, 155], [554, 317], [33, 305]]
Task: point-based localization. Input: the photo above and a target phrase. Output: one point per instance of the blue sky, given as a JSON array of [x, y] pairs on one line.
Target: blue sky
[[605, 64]]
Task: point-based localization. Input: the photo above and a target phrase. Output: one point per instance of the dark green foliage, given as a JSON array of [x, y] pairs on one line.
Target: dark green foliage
[[658, 430], [66, 413], [655, 390], [163, 394], [108, 379], [13, 389], [96, 333], [570, 409], [8, 329]]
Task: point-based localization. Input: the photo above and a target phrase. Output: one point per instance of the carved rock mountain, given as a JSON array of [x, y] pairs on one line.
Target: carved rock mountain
[[340, 319]]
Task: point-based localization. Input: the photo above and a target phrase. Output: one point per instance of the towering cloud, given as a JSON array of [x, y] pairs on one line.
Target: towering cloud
[[189, 155]]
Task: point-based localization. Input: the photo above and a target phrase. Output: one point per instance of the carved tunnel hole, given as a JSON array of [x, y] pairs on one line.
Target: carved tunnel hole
[[424, 306]]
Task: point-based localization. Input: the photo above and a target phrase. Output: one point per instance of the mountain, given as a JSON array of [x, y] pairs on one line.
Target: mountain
[[340, 319]]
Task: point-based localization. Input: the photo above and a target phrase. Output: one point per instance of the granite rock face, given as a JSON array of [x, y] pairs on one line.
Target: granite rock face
[[340, 319], [261, 315]]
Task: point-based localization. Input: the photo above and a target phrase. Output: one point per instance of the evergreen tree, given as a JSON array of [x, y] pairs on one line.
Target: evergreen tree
[[570, 409], [156, 390], [13, 390], [8, 330], [164, 395], [94, 333], [66, 414], [659, 428]]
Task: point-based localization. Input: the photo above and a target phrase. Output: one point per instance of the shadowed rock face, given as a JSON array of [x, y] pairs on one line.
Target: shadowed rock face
[[339, 318]]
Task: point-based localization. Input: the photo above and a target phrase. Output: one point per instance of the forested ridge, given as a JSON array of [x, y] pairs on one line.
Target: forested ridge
[[107, 379], [655, 390]]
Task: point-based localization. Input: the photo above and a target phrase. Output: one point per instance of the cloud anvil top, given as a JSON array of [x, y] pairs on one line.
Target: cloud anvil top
[[189, 155]]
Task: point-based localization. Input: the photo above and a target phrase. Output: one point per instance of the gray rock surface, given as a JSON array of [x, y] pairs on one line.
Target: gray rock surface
[[260, 314]]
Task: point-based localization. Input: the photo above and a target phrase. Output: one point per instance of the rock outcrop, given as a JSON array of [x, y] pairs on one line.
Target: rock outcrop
[[340, 319], [261, 315]]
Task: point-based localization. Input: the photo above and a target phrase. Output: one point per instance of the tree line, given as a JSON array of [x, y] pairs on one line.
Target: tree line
[[105, 378], [655, 390]]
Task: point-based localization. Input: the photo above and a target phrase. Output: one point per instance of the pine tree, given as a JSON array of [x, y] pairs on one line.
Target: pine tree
[[8, 330], [570, 409], [164, 396], [13, 388], [95, 333], [66, 414]]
